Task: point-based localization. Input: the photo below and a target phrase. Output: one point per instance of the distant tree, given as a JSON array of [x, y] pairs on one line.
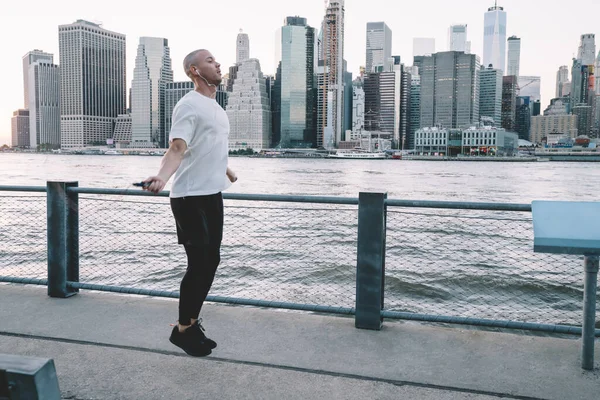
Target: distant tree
[[47, 147], [242, 152]]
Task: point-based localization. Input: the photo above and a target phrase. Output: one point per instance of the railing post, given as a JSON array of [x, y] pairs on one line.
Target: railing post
[[370, 268], [63, 238], [591, 265]]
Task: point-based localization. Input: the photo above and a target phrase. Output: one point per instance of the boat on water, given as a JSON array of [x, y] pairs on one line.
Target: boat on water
[[359, 155], [113, 153]]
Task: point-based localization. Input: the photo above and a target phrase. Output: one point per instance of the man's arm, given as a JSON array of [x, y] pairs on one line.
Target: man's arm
[[168, 166], [231, 175]]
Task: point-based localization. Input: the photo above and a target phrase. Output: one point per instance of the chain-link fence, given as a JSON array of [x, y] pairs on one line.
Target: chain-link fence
[[462, 263], [299, 253], [477, 264], [23, 251]]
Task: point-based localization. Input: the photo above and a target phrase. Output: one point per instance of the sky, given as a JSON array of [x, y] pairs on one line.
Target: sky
[[549, 31]]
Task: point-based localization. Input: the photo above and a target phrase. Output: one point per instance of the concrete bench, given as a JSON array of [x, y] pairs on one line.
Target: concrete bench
[[27, 378]]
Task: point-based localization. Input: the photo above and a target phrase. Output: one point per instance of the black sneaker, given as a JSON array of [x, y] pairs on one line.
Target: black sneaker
[[191, 341], [211, 343]]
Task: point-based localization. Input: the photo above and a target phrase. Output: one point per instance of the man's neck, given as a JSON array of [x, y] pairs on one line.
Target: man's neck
[[207, 91]]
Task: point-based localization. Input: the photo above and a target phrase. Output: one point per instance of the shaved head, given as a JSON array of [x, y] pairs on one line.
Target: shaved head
[[189, 60]]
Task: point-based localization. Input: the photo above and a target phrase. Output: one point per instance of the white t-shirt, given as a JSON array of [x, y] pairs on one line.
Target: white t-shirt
[[203, 124]]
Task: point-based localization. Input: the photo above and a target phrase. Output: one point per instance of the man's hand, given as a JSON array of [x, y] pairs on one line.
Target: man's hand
[[231, 175], [156, 184]]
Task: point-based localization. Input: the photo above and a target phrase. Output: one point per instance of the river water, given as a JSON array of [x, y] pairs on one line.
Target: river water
[[464, 263]]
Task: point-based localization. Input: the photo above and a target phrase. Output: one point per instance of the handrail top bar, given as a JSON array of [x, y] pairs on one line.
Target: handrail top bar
[[116, 192], [457, 205], [292, 198], [227, 196], [10, 188]]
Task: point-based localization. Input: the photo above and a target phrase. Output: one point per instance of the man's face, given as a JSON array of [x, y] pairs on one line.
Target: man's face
[[208, 67]]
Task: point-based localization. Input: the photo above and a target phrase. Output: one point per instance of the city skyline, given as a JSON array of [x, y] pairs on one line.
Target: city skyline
[[219, 36]]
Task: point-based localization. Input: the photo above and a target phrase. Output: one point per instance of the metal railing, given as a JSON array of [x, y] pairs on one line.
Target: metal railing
[[372, 257]]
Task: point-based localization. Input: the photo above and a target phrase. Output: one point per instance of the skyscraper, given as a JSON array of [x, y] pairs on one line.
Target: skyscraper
[[379, 46], [582, 84], [44, 105], [510, 92], [248, 109], [576, 83], [450, 90], [330, 120], [490, 94], [242, 49], [358, 110], [562, 77], [122, 131], [494, 38], [423, 46], [174, 91], [584, 115], [457, 38], [297, 88], [28, 59], [276, 109], [151, 74], [587, 49], [583, 97], [415, 109], [93, 88], [20, 128], [523, 117], [387, 102], [514, 56], [598, 72]]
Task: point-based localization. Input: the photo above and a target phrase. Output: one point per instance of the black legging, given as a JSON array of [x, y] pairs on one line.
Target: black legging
[[202, 266], [200, 229]]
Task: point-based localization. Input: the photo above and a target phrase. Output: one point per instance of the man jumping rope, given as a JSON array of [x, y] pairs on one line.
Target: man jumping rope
[[197, 156]]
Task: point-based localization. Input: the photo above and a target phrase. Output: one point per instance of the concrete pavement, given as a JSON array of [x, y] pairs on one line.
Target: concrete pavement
[[109, 346]]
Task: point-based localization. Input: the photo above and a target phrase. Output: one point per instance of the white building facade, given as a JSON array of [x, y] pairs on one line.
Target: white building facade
[[152, 73], [586, 53], [543, 125], [562, 78], [490, 94], [474, 141], [28, 59], [20, 129], [44, 105], [379, 46], [93, 87], [494, 38], [122, 134], [491, 141], [242, 48], [358, 113], [457, 39], [248, 109], [514, 56], [332, 67]]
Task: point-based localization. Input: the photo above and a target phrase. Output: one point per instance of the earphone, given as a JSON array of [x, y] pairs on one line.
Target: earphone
[[209, 84]]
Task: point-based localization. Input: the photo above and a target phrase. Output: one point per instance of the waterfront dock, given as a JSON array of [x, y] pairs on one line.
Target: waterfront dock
[[109, 346]]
